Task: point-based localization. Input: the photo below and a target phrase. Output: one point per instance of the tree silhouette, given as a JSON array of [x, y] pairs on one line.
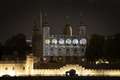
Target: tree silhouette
[[95, 47], [16, 45]]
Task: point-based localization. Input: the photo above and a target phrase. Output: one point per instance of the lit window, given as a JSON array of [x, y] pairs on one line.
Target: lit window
[[47, 41], [68, 41], [44, 59], [61, 41], [83, 41], [60, 58], [75, 41], [54, 41]]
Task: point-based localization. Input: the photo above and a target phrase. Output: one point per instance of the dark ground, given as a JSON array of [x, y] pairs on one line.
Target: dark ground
[[59, 78]]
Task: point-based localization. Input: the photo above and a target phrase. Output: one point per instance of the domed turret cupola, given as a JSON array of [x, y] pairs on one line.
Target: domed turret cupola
[[68, 29]]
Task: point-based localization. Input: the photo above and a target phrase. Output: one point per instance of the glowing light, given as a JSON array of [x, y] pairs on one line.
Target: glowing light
[[83, 59], [47, 41], [12, 73], [54, 41], [75, 41], [83, 41], [44, 59], [61, 41], [102, 61], [68, 41]]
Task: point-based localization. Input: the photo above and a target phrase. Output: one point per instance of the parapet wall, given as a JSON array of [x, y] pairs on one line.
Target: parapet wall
[[81, 71], [25, 70]]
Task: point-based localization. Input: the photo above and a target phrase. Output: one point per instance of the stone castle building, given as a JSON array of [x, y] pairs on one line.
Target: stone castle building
[[49, 48], [54, 55], [48, 51]]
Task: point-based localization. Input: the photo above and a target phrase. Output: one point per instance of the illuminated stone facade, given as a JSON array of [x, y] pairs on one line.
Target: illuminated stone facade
[[25, 68], [60, 46], [17, 68], [45, 46]]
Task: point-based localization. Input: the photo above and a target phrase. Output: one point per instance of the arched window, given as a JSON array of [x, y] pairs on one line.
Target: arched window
[[6, 68], [13, 68], [23, 68]]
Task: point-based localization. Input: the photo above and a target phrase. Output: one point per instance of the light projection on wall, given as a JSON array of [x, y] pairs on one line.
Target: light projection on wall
[[68, 41], [54, 41], [83, 41], [61, 41], [47, 41], [75, 41]]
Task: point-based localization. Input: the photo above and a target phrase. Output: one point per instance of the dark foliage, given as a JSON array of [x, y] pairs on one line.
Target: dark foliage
[[16, 46], [101, 46]]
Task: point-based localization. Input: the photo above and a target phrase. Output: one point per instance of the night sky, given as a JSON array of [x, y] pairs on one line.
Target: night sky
[[100, 16]]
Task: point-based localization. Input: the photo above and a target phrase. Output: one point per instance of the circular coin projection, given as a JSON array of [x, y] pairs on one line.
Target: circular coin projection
[[83, 41], [68, 41], [47, 41], [54, 41], [61, 41], [75, 41]]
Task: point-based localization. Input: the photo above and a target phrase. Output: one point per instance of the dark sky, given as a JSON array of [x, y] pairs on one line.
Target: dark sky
[[100, 16]]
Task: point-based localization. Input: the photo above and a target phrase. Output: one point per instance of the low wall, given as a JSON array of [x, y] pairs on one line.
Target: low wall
[[81, 71]]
